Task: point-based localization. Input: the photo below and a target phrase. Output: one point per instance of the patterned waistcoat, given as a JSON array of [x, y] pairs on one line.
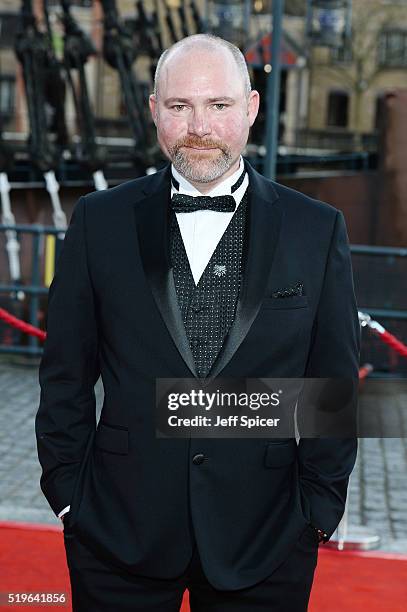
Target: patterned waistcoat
[[208, 308]]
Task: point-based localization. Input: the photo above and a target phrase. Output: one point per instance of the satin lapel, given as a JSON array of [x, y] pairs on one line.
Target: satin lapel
[[265, 214], [152, 218]]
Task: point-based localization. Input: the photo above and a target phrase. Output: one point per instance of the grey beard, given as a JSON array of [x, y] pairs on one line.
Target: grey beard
[[192, 172]]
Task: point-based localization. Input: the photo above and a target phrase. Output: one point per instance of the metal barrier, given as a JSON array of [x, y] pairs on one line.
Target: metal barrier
[[23, 299], [380, 275]]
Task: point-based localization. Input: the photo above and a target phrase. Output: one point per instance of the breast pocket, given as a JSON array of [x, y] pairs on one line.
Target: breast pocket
[[294, 301]]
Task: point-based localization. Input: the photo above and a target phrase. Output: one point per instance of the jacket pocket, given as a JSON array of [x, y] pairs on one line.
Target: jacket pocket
[[112, 438], [295, 301]]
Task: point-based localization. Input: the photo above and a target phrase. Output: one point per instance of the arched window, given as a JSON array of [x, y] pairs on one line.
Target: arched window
[[338, 108]]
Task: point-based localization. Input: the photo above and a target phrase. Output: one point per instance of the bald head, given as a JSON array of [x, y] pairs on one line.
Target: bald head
[[203, 107], [202, 43]]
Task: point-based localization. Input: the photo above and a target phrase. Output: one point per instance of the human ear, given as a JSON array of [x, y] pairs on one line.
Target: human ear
[[253, 106], [152, 102]]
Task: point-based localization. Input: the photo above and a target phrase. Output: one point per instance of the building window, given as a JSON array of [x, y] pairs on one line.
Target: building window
[[338, 104], [379, 110], [7, 95], [393, 48], [341, 55]]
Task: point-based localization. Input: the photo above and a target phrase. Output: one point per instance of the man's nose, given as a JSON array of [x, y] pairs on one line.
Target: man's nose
[[199, 124]]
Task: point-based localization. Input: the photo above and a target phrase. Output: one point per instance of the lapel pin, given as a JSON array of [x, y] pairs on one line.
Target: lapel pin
[[219, 270]]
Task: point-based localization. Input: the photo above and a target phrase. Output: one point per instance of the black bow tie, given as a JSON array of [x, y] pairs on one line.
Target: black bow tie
[[185, 203]]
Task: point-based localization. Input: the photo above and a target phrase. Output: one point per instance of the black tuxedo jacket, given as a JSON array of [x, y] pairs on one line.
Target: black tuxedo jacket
[[113, 311]]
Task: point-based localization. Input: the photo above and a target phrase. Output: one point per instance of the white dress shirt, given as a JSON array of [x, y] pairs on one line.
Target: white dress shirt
[[64, 511], [201, 230]]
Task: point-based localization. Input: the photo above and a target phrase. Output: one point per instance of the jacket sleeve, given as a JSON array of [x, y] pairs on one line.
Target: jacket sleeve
[[69, 368], [325, 464]]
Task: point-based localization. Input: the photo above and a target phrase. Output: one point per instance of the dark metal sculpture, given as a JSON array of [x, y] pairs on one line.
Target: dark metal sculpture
[[148, 31], [183, 19], [199, 26], [34, 52], [78, 47], [54, 87], [169, 20], [120, 53]]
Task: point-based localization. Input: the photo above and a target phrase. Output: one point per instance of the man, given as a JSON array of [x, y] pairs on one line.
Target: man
[[155, 282]]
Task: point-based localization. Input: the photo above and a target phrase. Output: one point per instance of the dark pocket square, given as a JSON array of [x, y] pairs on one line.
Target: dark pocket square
[[296, 289]]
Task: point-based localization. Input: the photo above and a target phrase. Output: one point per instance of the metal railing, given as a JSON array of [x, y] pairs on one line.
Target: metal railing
[[23, 298], [337, 139], [380, 275]]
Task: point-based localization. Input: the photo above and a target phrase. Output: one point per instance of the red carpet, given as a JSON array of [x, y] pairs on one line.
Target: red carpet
[[359, 581], [32, 559]]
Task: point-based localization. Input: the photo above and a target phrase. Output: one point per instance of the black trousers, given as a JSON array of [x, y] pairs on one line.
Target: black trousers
[[99, 587]]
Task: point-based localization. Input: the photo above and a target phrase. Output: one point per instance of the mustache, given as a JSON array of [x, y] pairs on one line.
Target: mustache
[[205, 144]]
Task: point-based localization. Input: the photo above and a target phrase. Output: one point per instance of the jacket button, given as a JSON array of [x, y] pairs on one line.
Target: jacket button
[[198, 459]]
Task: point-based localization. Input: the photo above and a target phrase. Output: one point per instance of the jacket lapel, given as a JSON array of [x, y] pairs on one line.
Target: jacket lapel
[[152, 216], [265, 214]]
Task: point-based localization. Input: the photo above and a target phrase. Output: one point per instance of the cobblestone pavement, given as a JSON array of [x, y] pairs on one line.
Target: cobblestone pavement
[[377, 491]]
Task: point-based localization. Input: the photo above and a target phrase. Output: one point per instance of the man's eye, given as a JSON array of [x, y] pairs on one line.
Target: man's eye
[[178, 107], [220, 104]]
